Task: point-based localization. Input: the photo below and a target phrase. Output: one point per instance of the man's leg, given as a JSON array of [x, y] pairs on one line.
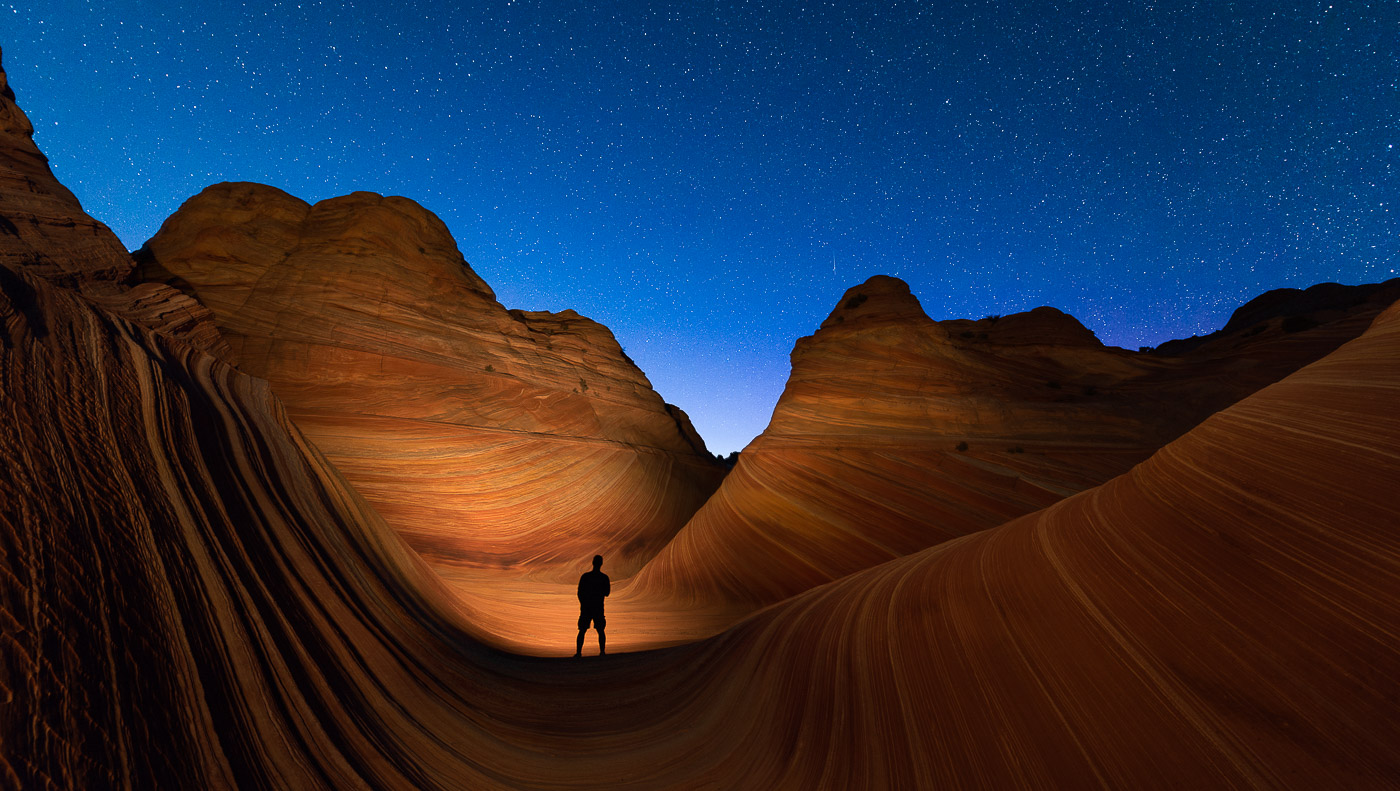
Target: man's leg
[[602, 642], [579, 651]]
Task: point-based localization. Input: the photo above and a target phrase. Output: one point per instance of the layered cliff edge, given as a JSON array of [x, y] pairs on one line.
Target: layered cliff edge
[[44, 230]]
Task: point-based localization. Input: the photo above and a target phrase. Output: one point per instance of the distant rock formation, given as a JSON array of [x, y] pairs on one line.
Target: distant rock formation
[[487, 437], [1288, 310], [1042, 326], [896, 433]]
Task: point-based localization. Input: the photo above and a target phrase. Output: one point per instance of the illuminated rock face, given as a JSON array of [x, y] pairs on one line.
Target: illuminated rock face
[[487, 437], [1222, 616], [896, 433], [193, 597]]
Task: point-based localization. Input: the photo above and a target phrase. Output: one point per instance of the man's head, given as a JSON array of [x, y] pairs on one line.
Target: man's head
[[597, 562]]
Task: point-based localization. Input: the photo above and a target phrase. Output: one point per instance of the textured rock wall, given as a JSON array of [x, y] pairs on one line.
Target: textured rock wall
[[43, 230], [1221, 617], [487, 437], [42, 227], [896, 432], [147, 493], [192, 597]]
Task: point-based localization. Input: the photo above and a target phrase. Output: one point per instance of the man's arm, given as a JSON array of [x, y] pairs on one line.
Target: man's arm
[[607, 585], [580, 588]]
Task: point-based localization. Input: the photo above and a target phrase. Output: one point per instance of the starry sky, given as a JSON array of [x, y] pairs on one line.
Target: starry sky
[[707, 178]]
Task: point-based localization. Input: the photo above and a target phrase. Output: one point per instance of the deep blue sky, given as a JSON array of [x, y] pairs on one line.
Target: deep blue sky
[[707, 178]]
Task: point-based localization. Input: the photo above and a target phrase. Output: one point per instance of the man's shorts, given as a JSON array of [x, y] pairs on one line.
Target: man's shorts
[[596, 618]]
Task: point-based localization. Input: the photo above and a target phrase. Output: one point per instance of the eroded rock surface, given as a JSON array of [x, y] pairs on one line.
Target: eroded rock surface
[[896, 433], [487, 437], [1222, 616], [44, 231], [194, 597]]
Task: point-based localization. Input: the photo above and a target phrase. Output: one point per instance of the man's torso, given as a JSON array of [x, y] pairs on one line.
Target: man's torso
[[592, 587]]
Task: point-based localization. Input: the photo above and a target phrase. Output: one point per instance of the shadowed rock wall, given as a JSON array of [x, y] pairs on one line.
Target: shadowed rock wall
[[44, 231]]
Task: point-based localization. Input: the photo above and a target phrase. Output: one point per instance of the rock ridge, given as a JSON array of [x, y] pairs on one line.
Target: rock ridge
[[895, 433]]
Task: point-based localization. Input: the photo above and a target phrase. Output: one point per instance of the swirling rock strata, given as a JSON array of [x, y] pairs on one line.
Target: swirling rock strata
[[193, 597], [1223, 616], [487, 437], [896, 432]]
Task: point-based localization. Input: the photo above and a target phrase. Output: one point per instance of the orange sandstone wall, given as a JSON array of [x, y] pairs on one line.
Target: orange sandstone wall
[[1223, 616], [193, 597], [896, 433], [487, 437]]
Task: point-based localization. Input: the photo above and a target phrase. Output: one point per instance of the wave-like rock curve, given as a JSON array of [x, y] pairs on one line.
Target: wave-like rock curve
[[489, 438], [193, 597], [896, 432]]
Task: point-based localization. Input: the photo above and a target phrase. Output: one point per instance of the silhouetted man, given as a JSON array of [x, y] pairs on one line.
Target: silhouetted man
[[592, 587]]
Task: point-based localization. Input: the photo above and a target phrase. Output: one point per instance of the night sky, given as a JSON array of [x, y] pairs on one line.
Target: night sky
[[706, 179]]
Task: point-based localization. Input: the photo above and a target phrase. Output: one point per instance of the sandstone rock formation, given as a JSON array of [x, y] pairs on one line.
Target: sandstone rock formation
[[42, 227], [194, 598], [43, 230], [1043, 326], [1284, 311], [1220, 617], [896, 432], [487, 437]]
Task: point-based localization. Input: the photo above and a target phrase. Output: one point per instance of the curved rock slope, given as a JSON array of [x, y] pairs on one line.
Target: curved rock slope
[[192, 597], [42, 227], [487, 437], [44, 231], [1223, 616], [896, 432]]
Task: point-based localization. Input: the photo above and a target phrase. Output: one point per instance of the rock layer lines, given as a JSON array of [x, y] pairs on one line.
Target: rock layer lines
[[896, 432], [194, 597], [487, 437]]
